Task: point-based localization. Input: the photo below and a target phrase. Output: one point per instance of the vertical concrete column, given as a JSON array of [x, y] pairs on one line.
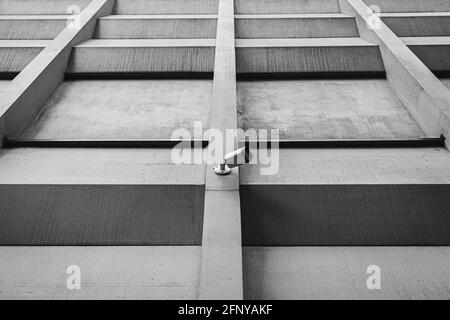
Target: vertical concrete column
[[221, 258], [23, 99], [426, 98]]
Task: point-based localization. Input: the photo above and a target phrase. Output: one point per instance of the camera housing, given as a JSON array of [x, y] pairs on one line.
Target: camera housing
[[233, 159]]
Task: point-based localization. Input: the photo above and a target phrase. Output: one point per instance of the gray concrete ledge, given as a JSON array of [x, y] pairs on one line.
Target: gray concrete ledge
[[106, 272], [340, 272]]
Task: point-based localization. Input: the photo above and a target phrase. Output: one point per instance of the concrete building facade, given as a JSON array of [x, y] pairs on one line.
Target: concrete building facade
[[92, 91]]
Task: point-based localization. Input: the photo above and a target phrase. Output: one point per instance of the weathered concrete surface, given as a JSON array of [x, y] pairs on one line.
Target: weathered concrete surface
[[40, 6], [410, 5], [325, 109], [422, 93], [148, 55], [33, 27], [340, 272], [286, 6], [418, 24], [16, 55], [30, 90], [166, 7], [307, 55], [156, 27], [123, 109], [295, 26], [356, 166], [106, 272]]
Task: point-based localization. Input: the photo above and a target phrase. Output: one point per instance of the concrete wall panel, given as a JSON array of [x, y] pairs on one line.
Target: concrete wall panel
[[249, 28], [410, 5], [101, 214], [286, 6], [308, 59], [141, 59], [325, 109], [435, 57], [166, 7], [340, 273], [419, 26], [123, 109], [31, 29], [345, 215], [156, 28], [15, 59]]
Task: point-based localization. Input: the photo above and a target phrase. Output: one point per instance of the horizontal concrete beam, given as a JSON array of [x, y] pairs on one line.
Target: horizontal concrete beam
[[434, 52], [26, 27], [166, 7], [149, 272], [165, 55], [157, 27], [418, 25], [357, 166], [277, 26], [307, 55], [410, 5], [86, 166], [15, 59], [340, 273], [285, 6]]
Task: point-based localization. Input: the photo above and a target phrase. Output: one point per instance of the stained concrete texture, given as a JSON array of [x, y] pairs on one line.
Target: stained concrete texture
[[123, 109], [410, 5], [340, 272], [325, 109], [166, 7], [286, 6], [106, 272]]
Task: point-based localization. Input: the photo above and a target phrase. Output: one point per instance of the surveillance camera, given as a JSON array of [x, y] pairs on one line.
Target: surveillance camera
[[233, 159]]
